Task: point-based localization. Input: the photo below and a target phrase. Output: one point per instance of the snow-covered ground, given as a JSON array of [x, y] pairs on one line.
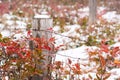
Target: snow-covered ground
[[81, 55]]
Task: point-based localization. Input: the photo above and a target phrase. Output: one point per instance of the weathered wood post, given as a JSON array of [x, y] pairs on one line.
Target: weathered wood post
[[40, 26], [92, 11]]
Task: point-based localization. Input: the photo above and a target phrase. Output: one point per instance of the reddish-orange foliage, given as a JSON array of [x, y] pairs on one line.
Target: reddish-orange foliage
[[115, 51], [77, 65], [102, 60], [76, 68], [58, 64], [52, 39], [104, 47], [117, 62]]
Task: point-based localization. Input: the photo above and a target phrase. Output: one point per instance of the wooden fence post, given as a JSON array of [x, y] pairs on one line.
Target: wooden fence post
[[40, 26], [92, 11]]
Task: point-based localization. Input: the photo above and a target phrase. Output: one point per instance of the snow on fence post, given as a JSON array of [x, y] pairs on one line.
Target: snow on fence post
[[92, 11], [41, 24]]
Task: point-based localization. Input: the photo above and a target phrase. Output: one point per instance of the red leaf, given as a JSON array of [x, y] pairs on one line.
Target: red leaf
[[104, 47], [102, 60], [27, 55], [29, 33], [77, 65], [52, 39], [47, 47], [106, 76], [69, 61], [21, 56], [115, 51], [76, 69], [14, 60]]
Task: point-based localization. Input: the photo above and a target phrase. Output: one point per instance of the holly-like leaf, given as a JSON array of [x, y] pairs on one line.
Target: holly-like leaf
[[46, 47], [77, 65], [104, 47], [115, 51], [75, 70], [102, 61], [106, 76], [52, 39], [69, 61], [117, 62], [67, 72], [29, 33]]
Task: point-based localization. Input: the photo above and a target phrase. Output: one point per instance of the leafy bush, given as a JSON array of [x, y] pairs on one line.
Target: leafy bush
[[20, 59]]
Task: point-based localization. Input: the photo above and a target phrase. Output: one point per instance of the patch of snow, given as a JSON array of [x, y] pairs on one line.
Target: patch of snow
[[10, 22], [73, 12], [2, 26], [63, 38], [7, 16], [112, 16], [78, 53], [116, 44], [5, 33], [20, 35], [85, 9], [6, 78], [115, 75], [101, 9], [83, 12], [41, 16], [21, 24], [56, 28]]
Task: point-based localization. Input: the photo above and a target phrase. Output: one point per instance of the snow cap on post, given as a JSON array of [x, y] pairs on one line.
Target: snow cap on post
[[43, 14]]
